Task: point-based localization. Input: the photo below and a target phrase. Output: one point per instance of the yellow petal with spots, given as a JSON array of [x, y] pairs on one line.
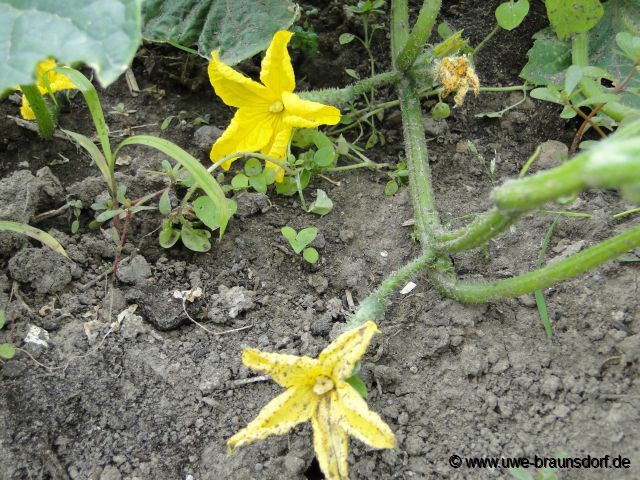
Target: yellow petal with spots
[[343, 353], [306, 114], [360, 422], [330, 441], [25, 109], [277, 417], [287, 370], [250, 130], [236, 89], [276, 70]]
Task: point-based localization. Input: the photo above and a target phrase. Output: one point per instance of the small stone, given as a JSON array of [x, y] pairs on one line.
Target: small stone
[[135, 272], [319, 283], [110, 472], [346, 235], [233, 301], [295, 465], [205, 136], [552, 153], [45, 270], [251, 203], [321, 327], [550, 386]]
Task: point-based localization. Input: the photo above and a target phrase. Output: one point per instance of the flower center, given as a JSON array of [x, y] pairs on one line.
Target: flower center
[[323, 385], [276, 107]]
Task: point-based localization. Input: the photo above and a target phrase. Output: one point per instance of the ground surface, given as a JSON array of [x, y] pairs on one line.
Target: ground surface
[[156, 398]]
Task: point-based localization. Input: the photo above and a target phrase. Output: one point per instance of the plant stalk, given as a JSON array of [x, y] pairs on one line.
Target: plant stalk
[[44, 115], [419, 35]]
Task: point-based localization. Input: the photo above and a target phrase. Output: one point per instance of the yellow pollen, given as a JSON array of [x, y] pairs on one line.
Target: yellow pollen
[[323, 385], [276, 107]]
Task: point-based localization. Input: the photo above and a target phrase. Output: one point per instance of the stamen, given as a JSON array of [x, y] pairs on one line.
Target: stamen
[[276, 107], [323, 385]]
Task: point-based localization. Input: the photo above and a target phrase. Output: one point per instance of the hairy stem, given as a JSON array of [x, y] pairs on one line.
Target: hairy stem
[[419, 35], [340, 96]]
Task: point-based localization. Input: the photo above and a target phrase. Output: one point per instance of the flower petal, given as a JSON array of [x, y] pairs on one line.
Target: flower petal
[[342, 354], [287, 370], [357, 420], [306, 114], [276, 71], [58, 82], [25, 109], [249, 131], [330, 441], [236, 89], [277, 417], [278, 146]]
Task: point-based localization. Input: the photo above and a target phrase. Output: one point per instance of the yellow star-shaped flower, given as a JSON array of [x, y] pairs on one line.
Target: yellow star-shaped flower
[[456, 75], [47, 81], [317, 390], [268, 111]]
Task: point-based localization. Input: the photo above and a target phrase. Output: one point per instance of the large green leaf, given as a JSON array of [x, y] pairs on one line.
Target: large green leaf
[[104, 34], [575, 16], [238, 28], [550, 58]]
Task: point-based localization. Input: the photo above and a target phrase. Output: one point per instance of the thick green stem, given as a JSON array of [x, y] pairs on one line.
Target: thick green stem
[[419, 35], [477, 233], [340, 96], [580, 57], [372, 307], [44, 116], [478, 292]]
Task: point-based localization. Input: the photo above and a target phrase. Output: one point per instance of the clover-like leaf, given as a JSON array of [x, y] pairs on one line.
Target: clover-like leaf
[[103, 34]]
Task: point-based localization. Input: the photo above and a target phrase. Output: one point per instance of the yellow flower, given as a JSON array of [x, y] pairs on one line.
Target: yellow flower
[[268, 111], [317, 390], [47, 81], [456, 75]]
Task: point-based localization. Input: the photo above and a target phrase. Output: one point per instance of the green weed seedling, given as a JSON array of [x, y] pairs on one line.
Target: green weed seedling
[[300, 240], [7, 351]]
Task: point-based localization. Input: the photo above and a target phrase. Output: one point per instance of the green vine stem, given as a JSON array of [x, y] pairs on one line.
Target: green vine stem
[[485, 227], [580, 57], [419, 35], [340, 96], [478, 292], [372, 307], [44, 116]]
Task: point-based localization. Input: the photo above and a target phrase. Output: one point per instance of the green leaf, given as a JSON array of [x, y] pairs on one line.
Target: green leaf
[[238, 29], [75, 226], [310, 254], [34, 233], [358, 385], [259, 183], [307, 235], [288, 233], [164, 205], [346, 38], [240, 181], [204, 179], [195, 239], [269, 175], [391, 188], [287, 187], [168, 237], [575, 16], [568, 113], [601, 98], [7, 351], [630, 45], [3, 318], [547, 95], [207, 211], [548, 59], [104, 34], [510, 14], [572, 77], [95, 154], [108, 215], [252, 167], [322, 204], [352, 73], [325, 157]]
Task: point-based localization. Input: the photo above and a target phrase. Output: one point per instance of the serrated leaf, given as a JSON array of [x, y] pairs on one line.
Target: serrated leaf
[[7, 351], [195, 239], [575, 16], [307, 235], [548, 59], [510, 14], [164, 204], [310, 254], [238, 29], [322, 204], [168, 237], [103, 34]]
